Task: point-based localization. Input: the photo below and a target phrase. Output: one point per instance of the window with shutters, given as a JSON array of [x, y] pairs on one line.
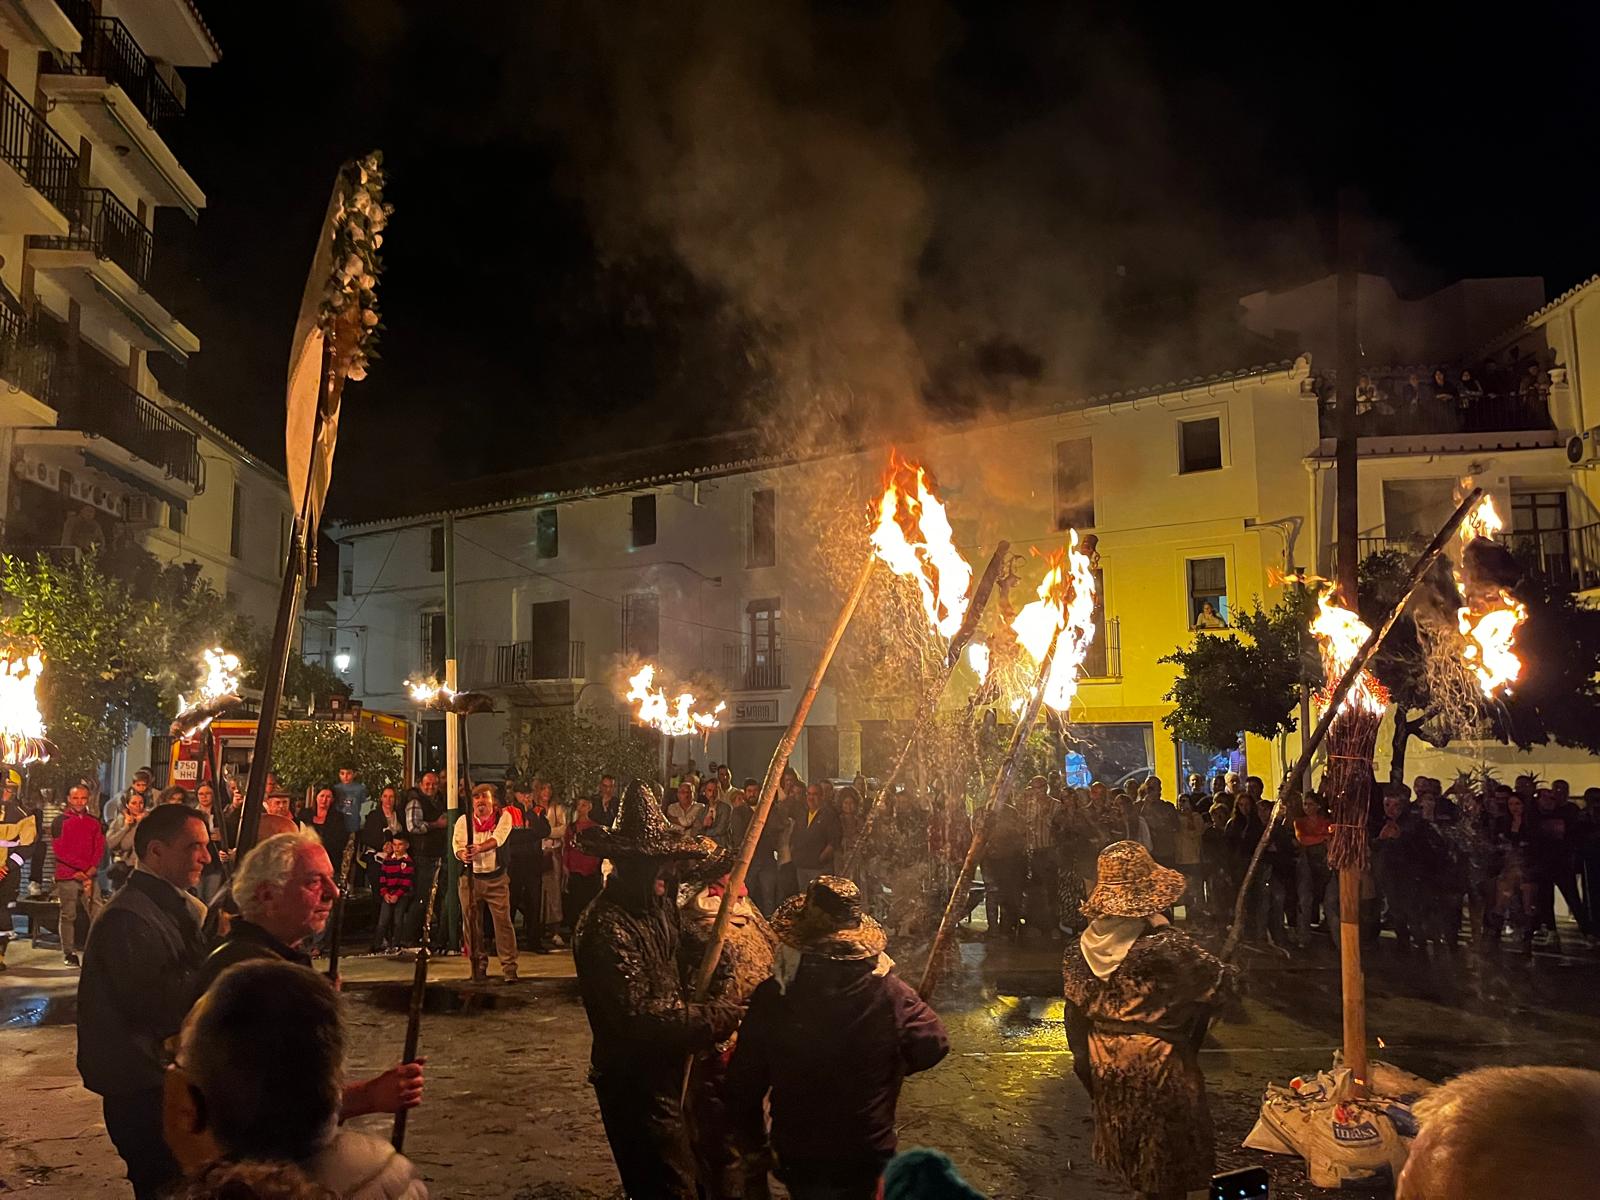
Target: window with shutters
[[546, 533], [1074, 485], [763, 542], [642, 523], [1200, 445], [1208, 593], [641, 624]]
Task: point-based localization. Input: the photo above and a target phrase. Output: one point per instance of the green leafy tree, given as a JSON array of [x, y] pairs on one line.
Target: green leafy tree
[[307, 753], [571, 751], [121, 639], [1245, 680]]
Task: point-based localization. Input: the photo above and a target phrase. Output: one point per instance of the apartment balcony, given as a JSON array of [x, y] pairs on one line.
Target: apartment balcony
[[1402, 404], [27, 371], [38, 181], [745, 669], [131, 433], [1566, 559], [103, 261], [125, 102], [1103, 660], [539, 662]]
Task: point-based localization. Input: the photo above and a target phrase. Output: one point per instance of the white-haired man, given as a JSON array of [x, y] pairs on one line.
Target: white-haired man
[[1528, 1132], [285, 890]]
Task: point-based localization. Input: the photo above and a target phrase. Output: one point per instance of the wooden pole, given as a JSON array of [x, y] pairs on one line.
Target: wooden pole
[[1330, 709], [769, 786], [453, 915], [977, 601], [419, 990], [980, 829]]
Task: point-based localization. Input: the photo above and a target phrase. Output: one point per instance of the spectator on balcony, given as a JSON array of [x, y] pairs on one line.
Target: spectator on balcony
[[82, 529], [1208, 617], [1469, 392], [1366, 395]]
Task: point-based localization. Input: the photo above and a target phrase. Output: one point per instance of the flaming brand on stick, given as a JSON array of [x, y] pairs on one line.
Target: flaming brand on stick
[[676, 718], [427, 692], [913, 536], [1489, 615], [218, 689], [1340, 634], [22, 737], [1065, 603]]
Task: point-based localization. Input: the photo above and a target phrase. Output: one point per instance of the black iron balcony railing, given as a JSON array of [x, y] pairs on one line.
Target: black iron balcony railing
[[1103, 659], [111, 52], [103, 405], [27, 362], [36, 151], [521, 662], [1566, 559], [107, 226], [752, 669]]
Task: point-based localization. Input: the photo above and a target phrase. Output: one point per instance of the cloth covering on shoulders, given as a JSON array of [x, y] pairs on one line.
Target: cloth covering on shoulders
[[358, 1166]]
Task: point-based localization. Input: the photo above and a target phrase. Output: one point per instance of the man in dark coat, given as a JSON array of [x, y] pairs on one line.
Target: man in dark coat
[[644, 1027], [832, 1036], [138, 968]]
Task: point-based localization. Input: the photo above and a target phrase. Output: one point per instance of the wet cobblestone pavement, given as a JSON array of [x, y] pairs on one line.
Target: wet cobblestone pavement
[[509, 1112]]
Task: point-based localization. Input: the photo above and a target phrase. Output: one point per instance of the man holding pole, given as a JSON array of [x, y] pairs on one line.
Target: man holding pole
[[626, 949], [476, 840]]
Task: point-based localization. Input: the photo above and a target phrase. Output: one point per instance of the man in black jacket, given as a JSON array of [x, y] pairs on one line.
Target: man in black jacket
[[138, 968], [644, 1027]]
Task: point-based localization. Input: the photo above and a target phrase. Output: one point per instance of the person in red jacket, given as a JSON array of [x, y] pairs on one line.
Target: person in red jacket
[[79, 841]]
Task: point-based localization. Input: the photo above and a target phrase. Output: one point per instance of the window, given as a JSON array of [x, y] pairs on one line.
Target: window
[[347, 582], [641, 624], [177, 518], [1074, 485], [433, 644], [1539, 538], [1414, 509], [546, 533], [436, 548], [764, 660], [1199, 445], [643, 521], [1208, 593], [551, 652], [236, 524], [1099, 662], [763, 548]]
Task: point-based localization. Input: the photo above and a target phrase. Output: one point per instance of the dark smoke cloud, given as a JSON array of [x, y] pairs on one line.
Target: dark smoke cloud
[[903, 227]]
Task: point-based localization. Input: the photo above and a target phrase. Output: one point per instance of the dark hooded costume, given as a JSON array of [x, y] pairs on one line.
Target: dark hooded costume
[[644, 1028], [729, 1169]]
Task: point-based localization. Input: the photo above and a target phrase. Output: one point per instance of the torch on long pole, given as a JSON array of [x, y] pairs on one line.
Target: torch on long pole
[[769, 786], [1003, 782], [977, 601], [1296, 773], [419, 991]]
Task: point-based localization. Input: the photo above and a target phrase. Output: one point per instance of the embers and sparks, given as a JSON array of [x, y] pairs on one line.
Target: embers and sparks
[[22, 737], [1066, 603], [913, 536], [675, 718], [429, 693], [1490, 615], [219, 687], [1340, 635]]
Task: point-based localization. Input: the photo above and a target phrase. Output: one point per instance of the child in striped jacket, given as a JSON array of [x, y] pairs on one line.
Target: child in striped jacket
[[396, 887]]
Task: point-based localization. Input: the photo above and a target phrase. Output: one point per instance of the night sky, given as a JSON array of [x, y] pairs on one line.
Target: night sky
[[626, 223]]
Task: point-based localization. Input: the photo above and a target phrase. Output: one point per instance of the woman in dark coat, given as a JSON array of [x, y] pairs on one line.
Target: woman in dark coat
[[1138, 997]]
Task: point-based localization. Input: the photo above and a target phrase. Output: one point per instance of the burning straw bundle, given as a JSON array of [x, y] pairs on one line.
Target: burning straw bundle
[[1353, 735]]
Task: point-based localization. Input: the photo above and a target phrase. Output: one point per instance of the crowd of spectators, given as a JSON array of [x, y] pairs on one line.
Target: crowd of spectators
[[1508, 392]]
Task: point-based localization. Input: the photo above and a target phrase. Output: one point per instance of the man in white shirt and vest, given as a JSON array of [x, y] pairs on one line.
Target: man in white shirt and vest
[[476, 840]]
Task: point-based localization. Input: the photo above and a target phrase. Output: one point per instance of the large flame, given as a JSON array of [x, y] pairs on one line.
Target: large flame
[[221, 679], [676, 718], [1490, 618], [913, 536], [978, 659], [22, 737], [1340, 634], [425, 692], [1066, 603]]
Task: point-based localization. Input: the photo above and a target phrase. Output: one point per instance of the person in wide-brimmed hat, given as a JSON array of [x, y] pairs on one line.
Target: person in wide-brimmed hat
[[1138, 997], [644, 1027], [831, 1036]]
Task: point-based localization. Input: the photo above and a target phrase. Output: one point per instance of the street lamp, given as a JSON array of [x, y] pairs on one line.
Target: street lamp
[[341, 660]]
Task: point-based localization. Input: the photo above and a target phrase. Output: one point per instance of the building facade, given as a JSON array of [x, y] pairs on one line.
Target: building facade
[[702, 559], [94, 449]]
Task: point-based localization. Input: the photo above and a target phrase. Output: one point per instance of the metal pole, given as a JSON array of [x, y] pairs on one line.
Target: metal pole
[[452, 739]]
